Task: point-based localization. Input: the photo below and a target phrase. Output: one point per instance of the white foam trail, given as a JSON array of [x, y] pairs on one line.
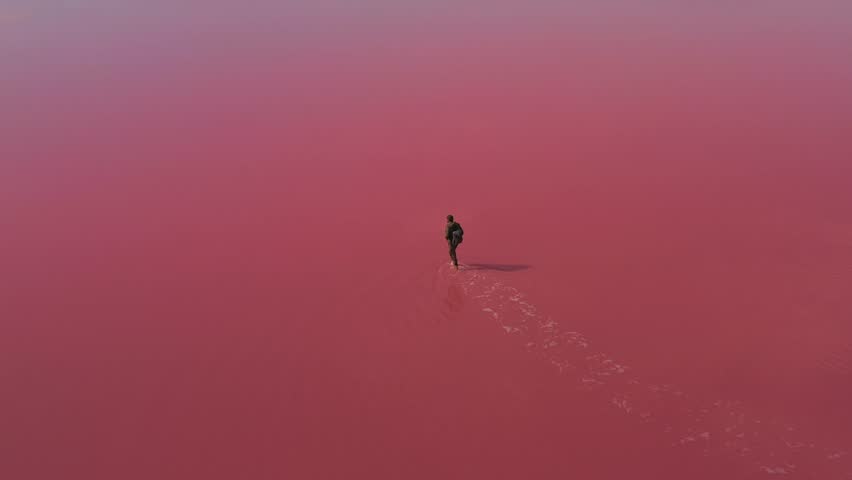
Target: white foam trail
[[715, 427]]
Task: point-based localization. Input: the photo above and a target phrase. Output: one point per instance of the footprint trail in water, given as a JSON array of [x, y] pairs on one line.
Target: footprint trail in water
[[713, 427]]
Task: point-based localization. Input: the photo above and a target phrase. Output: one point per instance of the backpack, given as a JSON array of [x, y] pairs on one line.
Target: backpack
[[458, 235]]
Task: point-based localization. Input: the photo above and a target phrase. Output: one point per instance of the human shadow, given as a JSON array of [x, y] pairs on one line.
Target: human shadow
[[497, 267]]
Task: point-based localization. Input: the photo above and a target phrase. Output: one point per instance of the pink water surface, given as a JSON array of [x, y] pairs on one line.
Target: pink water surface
[[220, 254]]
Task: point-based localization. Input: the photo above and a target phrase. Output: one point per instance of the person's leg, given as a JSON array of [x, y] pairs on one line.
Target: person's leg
[[453, 254]]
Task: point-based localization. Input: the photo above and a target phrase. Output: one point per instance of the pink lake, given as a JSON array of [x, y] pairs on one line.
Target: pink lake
[[221, 252]]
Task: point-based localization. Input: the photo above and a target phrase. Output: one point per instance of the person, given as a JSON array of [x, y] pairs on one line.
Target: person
[[453, 233]]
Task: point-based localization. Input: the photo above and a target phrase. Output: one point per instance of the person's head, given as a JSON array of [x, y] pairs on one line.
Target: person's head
[[449, 218]]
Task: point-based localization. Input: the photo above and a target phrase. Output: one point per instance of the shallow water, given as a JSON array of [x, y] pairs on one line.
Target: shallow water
[[222, 256]]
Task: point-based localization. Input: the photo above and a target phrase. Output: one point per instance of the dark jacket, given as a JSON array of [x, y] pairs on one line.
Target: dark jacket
[[450, 228]]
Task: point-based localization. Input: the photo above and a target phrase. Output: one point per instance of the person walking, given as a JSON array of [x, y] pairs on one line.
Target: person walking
[[454, 235]]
